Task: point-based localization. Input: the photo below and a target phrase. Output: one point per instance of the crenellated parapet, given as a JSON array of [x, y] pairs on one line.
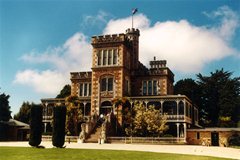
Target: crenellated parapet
[[112, 38], [81, 75]]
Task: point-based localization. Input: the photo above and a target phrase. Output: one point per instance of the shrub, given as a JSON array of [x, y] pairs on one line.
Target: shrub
[[59, 119], [36, 126], [234, 140]]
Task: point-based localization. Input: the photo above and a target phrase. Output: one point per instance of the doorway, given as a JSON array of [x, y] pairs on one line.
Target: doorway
[[215, 138]]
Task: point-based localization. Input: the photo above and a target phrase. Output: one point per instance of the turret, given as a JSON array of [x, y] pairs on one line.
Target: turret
[[133, 36]]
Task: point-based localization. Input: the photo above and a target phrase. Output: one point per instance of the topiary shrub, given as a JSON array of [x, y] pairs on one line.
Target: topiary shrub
[[36, 126], [234, 140], [59, 119]]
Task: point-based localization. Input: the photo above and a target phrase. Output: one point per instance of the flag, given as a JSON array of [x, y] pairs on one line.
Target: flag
[[134, 10]]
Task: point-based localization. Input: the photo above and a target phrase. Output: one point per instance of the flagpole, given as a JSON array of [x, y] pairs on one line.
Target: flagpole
[[132, 20]]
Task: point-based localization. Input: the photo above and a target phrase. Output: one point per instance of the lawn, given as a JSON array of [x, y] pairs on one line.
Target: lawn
[[22, 153]]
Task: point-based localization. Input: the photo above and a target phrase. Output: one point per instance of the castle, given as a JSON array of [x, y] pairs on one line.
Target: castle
[[116, 73]]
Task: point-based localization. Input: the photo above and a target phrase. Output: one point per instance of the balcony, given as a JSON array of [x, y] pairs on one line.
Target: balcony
[[178, 118], [47, 118]]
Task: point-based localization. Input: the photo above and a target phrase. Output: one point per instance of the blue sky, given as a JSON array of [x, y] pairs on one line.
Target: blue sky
[[41, 41]]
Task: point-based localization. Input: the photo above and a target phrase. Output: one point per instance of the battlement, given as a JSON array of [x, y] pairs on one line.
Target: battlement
[[81, 75], [133, 31], [108, 38], [156, 64]]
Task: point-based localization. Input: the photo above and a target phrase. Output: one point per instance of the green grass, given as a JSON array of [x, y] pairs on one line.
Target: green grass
[[22, 153]]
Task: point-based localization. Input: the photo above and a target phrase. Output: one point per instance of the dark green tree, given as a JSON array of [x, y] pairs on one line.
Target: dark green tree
[[24, 113], [36, 125], [65, 92], [5, 113], [189, 88], [59, 120], [220, 98]]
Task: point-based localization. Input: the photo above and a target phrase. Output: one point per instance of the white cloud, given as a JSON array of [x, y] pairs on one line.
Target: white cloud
[[74, 55], [186, 47], [228, 23], [47, 82]]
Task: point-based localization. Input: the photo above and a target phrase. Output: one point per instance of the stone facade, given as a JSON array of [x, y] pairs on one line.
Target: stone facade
[[211, 136], [117, 72]]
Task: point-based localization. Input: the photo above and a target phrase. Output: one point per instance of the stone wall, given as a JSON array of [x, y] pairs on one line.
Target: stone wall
[[205, 137]]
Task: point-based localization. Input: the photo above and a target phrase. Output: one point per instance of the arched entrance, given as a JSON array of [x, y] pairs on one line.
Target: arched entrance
[[106, 107]]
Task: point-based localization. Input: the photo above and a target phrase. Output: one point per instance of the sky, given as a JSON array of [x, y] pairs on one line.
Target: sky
[[41, 41]]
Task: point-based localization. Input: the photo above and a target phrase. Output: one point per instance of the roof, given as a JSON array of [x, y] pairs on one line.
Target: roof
[[16, 123], [215, 129]]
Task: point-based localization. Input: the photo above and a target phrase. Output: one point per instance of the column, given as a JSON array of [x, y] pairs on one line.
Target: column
[[177, 109], [177, 130], [84, 105], [162, 106], [185, 131], [45, 127]]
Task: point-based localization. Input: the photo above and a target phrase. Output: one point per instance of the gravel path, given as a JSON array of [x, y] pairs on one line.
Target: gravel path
[[223, 152]]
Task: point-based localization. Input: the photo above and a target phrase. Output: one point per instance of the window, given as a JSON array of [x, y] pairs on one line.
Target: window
[[90, 89], [149, 87], [154, 87], [110, 84], [104, 84], [85, 89], [114, 56], [144, 88], [110, 57], [107, 57], [107, 84], [127, 86], [81, 89], [104, 57], [99, 58], [198, 135]]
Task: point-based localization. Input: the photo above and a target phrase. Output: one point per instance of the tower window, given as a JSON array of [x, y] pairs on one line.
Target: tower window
[[110, 84], [114, 56], [107, 84], [104, 84], [104, 57], [110, 57], [107, 57], [99, 58]]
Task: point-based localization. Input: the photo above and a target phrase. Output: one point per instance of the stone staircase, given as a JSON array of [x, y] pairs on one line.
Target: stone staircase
[[94, 136]]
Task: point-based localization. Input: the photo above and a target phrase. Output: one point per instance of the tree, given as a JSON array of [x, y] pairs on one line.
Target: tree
[[147, 122], [36, 125], [5, 113], [59, 120], [74, 115], [189, 88], [65, 92], [24, 113], [220, 98]]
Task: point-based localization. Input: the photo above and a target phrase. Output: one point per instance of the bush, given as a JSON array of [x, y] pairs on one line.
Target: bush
[[36, 126], [59, 119], [234, 140]]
